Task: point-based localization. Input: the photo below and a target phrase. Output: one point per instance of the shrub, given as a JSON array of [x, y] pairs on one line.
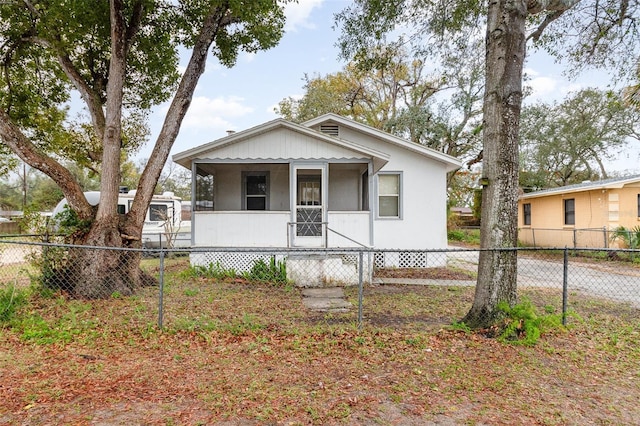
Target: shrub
[[523, 326], [629, 236], [274, 271], [213, 270], [467, 236]]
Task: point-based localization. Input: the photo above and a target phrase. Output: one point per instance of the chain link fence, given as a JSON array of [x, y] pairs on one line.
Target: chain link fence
[[580, 237], [188, 284]]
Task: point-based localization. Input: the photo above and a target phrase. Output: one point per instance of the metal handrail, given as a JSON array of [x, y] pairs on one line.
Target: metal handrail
[[350, 239]]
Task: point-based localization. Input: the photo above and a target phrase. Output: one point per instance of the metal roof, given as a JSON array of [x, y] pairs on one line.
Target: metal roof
[[611, 183], [184, 158]]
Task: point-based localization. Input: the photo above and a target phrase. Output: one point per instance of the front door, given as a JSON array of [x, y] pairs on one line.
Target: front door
[[309, 226]]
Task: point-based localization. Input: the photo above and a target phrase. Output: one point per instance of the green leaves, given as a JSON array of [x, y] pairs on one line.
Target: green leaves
[[567, 142], [523, 326]]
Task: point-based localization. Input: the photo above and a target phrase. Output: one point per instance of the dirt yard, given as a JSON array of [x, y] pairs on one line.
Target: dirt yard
[[234, 353]]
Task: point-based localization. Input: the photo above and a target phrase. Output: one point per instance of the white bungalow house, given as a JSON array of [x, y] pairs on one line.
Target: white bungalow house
[[326, 183]]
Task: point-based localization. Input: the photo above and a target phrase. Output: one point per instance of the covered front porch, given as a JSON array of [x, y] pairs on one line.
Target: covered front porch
[[282, 204]]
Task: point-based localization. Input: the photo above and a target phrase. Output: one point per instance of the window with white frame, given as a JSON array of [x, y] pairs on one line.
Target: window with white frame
[[389, 202], [255, 188]]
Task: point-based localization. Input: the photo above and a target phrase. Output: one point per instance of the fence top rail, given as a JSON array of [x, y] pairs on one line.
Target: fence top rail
[[74, 246], [601, 229], [318, 250]]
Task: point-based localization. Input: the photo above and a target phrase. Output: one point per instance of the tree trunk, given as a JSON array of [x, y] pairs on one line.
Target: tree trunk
[[101, 272], [497, 269], [96, 273]]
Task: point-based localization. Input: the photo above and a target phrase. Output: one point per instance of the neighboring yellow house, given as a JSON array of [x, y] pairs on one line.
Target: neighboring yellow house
[[581, 215]]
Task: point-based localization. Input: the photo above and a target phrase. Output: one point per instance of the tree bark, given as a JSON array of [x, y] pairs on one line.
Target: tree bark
[[215, 20], [99, 273], [497, 268]]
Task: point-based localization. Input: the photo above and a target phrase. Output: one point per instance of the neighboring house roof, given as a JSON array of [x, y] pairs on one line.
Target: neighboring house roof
[[379, 158], [452, 163], [613, 183], [461, 210]]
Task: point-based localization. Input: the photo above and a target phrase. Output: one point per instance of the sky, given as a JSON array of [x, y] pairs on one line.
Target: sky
[[245, 96]]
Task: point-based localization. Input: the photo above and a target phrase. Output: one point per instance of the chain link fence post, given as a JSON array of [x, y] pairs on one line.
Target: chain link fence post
[[161, 290], [360, 288], [565, 285]]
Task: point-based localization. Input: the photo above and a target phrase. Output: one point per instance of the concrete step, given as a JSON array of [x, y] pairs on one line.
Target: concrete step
[[326, 299]]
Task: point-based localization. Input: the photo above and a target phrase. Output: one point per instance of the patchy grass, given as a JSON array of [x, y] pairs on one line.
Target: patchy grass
[[237, 353], [464, 236]]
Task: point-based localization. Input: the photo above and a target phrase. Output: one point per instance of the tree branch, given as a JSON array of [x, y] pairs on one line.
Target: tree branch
[[90, 97], [214, 21], [556, 7], [547, 20], [28, 152], [134, 25]]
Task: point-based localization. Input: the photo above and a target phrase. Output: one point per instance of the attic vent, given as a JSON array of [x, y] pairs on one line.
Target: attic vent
[[329, 129]]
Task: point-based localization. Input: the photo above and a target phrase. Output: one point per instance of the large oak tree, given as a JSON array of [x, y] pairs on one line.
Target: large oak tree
[[121, 57], [568, 142], [585, 32]]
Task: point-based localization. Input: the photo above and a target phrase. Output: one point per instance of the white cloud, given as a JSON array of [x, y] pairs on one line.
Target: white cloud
[[208, 113], [543, 86], [298, 14], [548, 89], [271, 109], [571, 88], [249, 56]]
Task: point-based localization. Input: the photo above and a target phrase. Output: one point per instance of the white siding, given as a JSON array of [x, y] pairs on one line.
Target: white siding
[[344, 187], [424, 198], [240, 229], [354, 225], [228, 185], [282, 144]]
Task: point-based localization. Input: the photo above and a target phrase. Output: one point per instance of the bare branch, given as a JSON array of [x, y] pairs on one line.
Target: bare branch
[[27, 151], [547, 20]]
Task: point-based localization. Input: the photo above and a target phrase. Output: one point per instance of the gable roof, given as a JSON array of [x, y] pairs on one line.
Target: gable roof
[[451, 163], [379, 158], [613, 183], [184, 158]]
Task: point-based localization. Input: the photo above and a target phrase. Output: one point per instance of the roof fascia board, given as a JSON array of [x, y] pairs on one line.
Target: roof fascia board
[[594, 187]]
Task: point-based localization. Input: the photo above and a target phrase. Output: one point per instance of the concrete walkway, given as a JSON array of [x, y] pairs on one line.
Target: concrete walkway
[[325, 299]]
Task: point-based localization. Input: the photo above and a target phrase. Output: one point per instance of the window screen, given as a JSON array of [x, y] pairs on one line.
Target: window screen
[[256, 189]]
